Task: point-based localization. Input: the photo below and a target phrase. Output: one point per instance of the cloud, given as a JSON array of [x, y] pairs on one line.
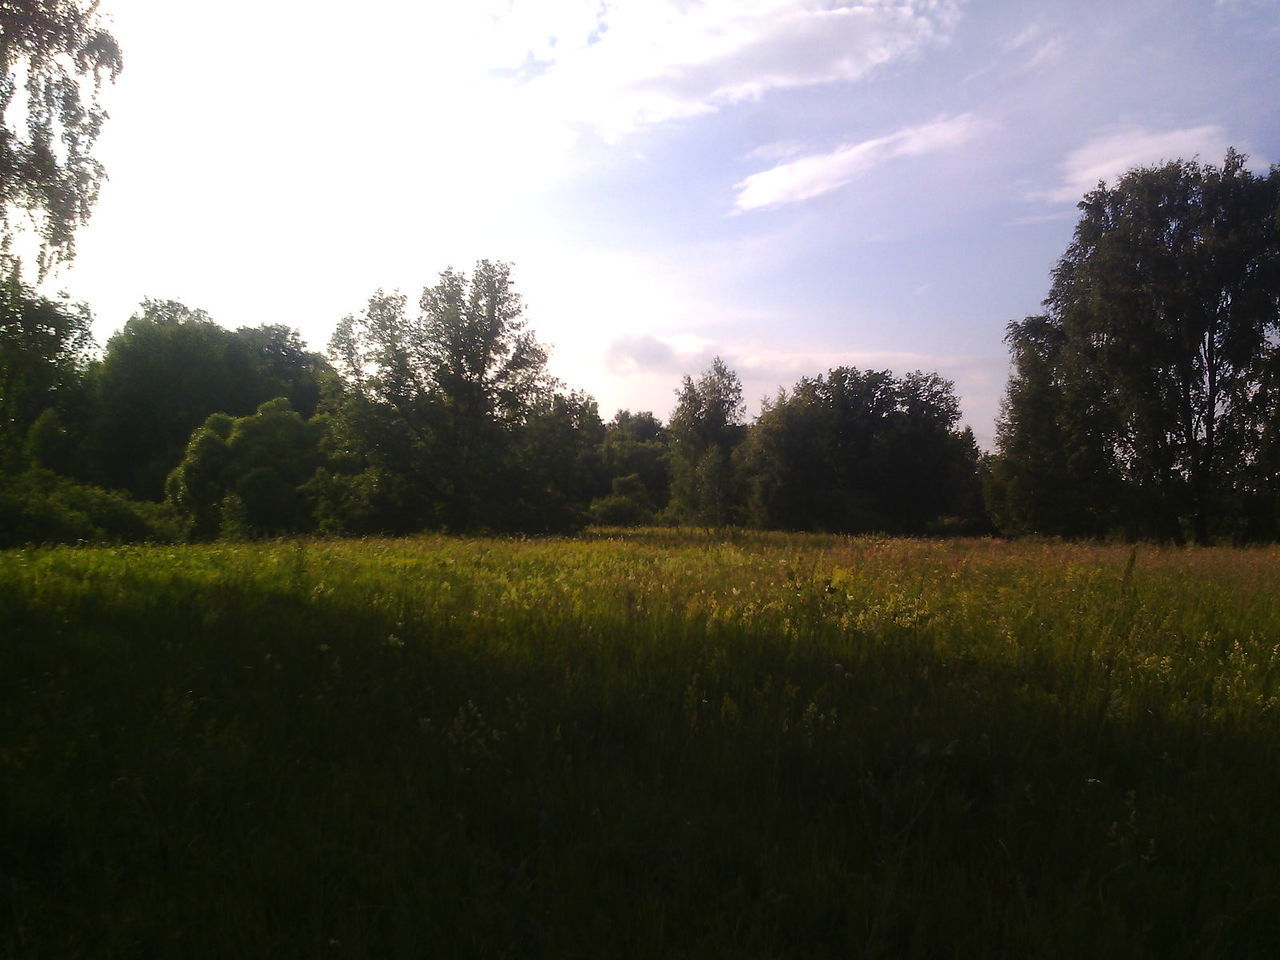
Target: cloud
[[777, 150], [645, 353], [812, 176], [1109, 156], [1024, 37], [631, 354], [632, 63], [1047, 51], [1037, 218]]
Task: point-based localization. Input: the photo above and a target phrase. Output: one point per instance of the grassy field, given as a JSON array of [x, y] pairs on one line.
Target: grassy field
[[657, 744]]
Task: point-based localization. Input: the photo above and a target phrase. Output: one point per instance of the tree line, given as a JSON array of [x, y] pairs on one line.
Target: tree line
[[1143, 403], [436, 415]]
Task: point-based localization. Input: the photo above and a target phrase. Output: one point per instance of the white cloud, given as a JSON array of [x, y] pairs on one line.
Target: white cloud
[[644, 353], [1047, 51], [777, 150], [1027, 35], [643, 62], [815, 175], [1110, 155], [1051, 217]]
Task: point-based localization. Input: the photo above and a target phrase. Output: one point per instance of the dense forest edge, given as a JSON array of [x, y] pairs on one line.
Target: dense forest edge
[[1143, 404]]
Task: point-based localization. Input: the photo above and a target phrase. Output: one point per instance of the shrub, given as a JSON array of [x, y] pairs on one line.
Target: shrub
[[40, 507]]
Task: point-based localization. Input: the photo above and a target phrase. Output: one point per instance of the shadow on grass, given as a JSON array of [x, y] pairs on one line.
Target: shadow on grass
[[244, 771]]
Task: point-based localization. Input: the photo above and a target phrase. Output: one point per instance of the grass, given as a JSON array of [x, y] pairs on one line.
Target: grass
[[651, 744]]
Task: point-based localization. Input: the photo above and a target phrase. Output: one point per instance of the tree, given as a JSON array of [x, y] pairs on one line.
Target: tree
[[925, 465], [444, 397], [248, 475], [483, 359], [1167, 306], [555, 467], [1056, 472], [854, 451], [708, 424], [636, 444], [286, 366], [54, 57], [627, 505], [167, 370], [45, 347]]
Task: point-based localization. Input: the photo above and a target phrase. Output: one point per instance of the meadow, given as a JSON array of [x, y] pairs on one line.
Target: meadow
[[647, 744]]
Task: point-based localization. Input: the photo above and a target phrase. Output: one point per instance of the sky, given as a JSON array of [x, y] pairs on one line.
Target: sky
[[791, 185]]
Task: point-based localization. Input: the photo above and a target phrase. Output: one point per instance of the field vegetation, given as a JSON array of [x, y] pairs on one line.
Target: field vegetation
[[655, 743]]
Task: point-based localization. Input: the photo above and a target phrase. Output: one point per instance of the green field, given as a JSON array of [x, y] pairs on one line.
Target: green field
[[654, 744]]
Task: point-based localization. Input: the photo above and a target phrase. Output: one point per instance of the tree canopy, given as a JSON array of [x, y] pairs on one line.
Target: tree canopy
[[45, 347], [54, 57], [854, 451], [708, 425], [247, 475], [1149, 389], [448, 413], [170, 368]]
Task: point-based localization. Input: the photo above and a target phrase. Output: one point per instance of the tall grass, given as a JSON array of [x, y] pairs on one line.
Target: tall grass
[[652, 744]]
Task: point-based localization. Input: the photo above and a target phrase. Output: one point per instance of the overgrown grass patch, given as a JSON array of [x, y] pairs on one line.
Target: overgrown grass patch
[[657, 743]]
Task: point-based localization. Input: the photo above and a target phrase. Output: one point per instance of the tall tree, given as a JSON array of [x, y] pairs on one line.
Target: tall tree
[[445, 394], [167, 370], [1167, 304], [44, 349], [555, 466], [637, 444], [288, 369], [1056, 472], [708, 425], [485, 362], [857, 450], [54, 57]]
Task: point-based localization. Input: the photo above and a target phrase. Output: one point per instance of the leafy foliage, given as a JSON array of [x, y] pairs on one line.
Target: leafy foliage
[[636, 444], [39, 507], [449, 418], [169, 369], [708, 424], [1057, 471], [855, 450], [1155, 368], [54, 57], [45, 347], [627, 505], [246, 477]]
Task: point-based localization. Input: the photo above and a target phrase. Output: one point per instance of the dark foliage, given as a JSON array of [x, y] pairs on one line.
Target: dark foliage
[[449, 420], [40, 507], [248, 477], [169, 369], [1146, 400], [856, 451], [708, 425], [45, 346]]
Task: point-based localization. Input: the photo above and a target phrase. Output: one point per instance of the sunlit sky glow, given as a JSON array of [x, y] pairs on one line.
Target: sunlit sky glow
[[789, 184]]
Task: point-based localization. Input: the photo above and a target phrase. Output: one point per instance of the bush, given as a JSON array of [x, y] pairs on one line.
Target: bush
[[627, 506], [40, 507]]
